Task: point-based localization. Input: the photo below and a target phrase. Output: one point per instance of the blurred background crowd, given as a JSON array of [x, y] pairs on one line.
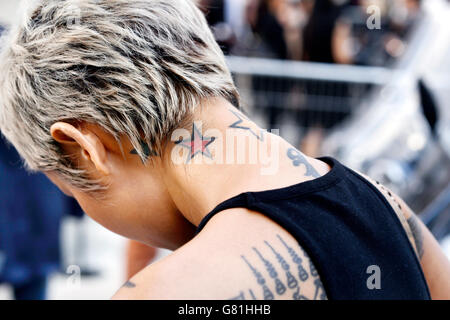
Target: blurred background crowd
[[365, 81], [328, 31]]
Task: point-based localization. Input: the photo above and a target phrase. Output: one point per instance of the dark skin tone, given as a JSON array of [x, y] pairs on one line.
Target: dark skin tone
[[160, 203]]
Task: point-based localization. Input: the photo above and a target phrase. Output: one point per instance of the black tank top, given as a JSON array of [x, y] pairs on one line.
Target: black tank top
[[345, 224]]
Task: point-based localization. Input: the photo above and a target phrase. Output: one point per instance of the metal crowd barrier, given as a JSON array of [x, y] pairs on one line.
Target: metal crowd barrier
[[303, 95]]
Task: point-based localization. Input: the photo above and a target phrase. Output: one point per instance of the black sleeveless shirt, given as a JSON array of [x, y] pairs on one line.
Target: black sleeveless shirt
[[345, 225]]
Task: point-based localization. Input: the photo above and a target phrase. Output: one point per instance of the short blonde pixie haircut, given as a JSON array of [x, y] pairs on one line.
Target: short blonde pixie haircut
[[137, 68]]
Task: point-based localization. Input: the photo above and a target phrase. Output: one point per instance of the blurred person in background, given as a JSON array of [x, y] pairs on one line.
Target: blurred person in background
[[322, 40], [338, 32], [216, 15], [263, 17], [268, 41], [327, 31], [31, 209], [403, 15], [355, 43], [363, 46], [293, 16]]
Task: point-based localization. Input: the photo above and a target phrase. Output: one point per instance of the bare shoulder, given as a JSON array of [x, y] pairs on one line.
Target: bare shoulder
[[239, 255]]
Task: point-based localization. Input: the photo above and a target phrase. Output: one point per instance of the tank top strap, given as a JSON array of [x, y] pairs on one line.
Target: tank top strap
[[239, 201]]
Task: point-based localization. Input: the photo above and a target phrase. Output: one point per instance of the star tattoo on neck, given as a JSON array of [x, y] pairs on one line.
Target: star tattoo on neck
[[239, 125], [197, 144]]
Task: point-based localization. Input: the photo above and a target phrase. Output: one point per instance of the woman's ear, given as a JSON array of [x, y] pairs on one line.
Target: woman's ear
[[91, 147]]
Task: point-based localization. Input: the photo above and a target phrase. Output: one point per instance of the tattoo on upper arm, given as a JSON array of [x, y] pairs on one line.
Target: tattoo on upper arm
[[416, 230], [240, 124], [299, 159], [268, 295], [197, 144], [278, 287], [302, 273], [291, 281]]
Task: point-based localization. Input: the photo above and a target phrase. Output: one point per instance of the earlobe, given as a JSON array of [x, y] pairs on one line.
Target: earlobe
[[92, 148]]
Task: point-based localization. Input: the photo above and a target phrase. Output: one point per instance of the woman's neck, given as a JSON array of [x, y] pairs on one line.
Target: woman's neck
[[222, 154]]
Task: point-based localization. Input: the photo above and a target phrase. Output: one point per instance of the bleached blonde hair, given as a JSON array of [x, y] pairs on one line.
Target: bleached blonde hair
[[135, 67]]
